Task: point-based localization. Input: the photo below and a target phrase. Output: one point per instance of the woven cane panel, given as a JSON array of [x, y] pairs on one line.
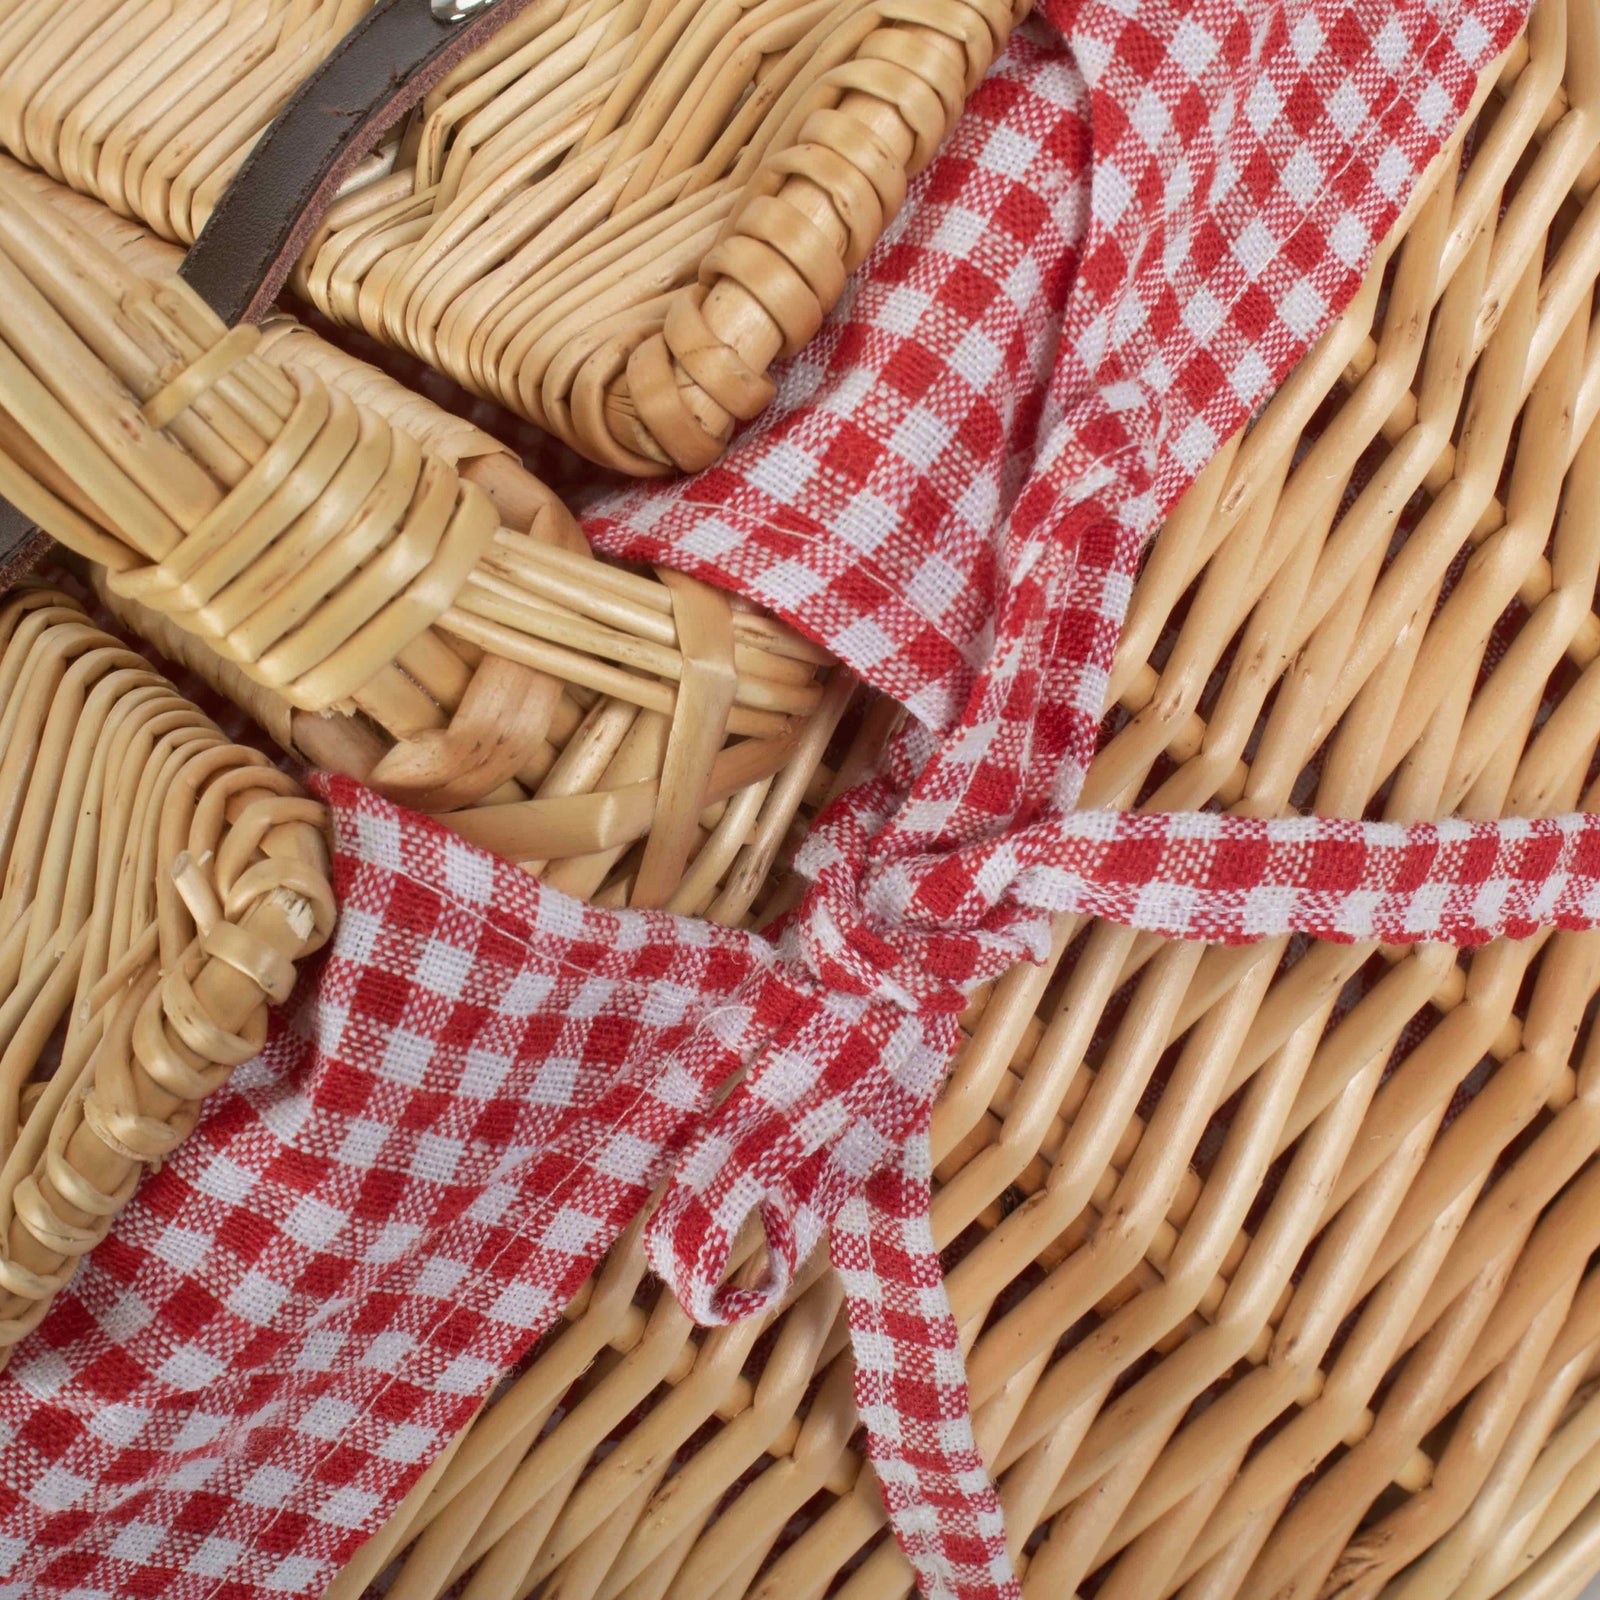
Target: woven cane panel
[[546, 715], [1274, 1262], [158, 885], [611, 219]]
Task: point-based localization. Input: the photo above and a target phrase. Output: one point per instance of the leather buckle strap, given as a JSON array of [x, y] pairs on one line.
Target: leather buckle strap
[[380, 69]]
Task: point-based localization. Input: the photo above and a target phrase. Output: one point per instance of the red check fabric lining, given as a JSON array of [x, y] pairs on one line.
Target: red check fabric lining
[[1147, 213]]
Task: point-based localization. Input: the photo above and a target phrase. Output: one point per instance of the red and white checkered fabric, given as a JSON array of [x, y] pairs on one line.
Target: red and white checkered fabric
[[1147, 213]]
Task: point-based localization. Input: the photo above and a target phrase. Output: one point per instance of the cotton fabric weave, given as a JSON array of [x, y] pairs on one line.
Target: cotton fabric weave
[[1147, 213]]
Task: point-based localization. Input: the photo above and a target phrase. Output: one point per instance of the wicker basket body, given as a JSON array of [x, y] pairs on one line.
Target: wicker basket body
[[611, 219], [159, 885], [1273, 1262]]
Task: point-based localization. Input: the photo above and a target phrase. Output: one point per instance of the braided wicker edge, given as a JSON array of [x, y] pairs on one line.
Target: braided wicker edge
[[254, 879]]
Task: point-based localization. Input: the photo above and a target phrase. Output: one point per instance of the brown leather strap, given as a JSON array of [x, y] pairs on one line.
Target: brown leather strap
[[380, 69], [22, 546], [397, 52]]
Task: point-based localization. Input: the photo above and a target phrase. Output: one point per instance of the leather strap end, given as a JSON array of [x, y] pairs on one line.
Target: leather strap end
[[382, 68], [22, 546]]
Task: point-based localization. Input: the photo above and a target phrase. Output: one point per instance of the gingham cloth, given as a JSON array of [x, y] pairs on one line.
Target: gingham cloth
[[1147, 213]]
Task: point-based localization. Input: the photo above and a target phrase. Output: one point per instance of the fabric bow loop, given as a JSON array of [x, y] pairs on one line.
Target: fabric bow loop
[[700, 1224], [760, 1156], [859, 1025], [855, 1042]]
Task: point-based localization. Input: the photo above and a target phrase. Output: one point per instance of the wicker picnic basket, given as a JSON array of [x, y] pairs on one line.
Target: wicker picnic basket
[[1273, 1262], [611, 219], [160, 883]]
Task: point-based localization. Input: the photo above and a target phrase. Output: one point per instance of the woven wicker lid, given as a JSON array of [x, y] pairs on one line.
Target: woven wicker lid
[[611, 219], [158, 885]]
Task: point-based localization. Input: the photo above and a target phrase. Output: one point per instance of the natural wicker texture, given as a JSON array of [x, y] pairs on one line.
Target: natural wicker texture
[[157, 886], [152, 108], [444, 634], [612, 219], [1274, 1262]]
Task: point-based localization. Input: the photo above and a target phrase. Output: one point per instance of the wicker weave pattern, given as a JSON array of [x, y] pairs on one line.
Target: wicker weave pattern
[[1275, 1261], [160, 884], [153, 108], [612, 219], [443, 633]]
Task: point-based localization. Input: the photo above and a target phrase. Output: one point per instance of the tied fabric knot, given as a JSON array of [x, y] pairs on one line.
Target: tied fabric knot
[[858, 1027], [919, 931], [843, 950], [827, 1136]]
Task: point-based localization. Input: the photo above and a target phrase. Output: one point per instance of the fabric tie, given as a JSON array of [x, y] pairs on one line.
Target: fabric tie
[[826, 1136], [1146, 214]]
